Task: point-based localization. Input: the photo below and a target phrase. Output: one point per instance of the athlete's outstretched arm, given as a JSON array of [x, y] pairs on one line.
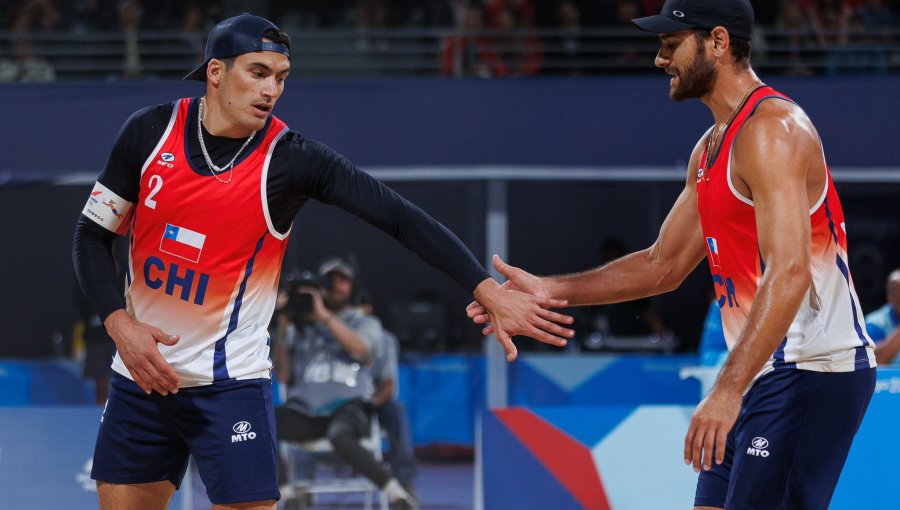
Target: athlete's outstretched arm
[[658, 269], [341, 184], [773, 155]]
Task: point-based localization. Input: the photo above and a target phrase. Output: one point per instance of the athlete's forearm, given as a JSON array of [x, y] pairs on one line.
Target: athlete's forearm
[[95, 267], [638, 275], [778, 299]]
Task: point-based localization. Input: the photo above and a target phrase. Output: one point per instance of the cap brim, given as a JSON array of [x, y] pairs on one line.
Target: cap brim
[[198, 74], [660, 24]]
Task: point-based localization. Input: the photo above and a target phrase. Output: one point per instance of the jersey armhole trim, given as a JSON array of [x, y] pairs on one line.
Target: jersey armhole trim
[[263, 189], [164, 137], [734, 190]]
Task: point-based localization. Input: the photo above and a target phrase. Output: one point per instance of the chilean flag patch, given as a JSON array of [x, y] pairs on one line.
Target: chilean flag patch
[[182, 242], [713, 251]]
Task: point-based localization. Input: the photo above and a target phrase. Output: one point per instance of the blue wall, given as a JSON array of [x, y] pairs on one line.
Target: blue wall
[[60, 129], [63, 128]]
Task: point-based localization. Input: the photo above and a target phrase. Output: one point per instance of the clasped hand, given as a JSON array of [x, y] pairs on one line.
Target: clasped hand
[[521, 306]]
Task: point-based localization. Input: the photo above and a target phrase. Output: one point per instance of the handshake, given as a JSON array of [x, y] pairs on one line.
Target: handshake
[[521, 306]]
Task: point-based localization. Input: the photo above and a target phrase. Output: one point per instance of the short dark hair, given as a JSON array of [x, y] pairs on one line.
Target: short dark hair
[[274, 35], [740, 47]]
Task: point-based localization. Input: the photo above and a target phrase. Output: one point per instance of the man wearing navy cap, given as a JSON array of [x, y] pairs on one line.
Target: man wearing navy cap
[[208, 187], [759, 203]]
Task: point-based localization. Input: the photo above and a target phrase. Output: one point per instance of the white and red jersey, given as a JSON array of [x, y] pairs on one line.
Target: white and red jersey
[[828, 334], [205, 259]]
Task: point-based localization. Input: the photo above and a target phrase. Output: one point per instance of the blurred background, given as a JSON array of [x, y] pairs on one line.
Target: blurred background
[[536, 129]]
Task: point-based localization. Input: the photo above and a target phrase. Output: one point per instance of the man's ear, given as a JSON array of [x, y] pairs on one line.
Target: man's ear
[[721, 40], [214, 71]]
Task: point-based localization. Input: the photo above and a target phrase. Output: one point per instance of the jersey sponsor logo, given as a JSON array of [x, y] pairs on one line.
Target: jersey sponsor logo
[[182, 242], [166, 159], [758, 447], [156, 274], [242, 432]]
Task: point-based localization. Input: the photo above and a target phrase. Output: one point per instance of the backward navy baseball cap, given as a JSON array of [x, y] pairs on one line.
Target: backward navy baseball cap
[[235, 36], [734, 15]]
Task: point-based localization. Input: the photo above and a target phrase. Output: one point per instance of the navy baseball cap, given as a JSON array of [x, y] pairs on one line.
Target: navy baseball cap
[[734, 15], [235, 36]]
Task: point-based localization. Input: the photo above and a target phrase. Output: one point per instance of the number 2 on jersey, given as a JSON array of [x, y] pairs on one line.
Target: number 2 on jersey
[[156, 183]]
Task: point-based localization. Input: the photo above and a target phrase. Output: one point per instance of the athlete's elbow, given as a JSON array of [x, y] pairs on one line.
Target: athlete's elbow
[[669, 276], [796, 273]]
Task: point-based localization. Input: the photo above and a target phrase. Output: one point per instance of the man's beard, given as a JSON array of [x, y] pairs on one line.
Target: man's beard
[[697, 79]]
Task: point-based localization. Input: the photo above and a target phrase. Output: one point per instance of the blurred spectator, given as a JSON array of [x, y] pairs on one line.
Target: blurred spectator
[[432, 13], [830, 20], [800, 34], [570, 23], [377, 15], [876, 15], [469, 52], [518, 49], [130, 14], [33, 16], [883, 325], [94, 16], [627, 10], [521, 10]]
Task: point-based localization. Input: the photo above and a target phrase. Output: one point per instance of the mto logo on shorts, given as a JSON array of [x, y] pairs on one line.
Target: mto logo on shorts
[[242, 432], [758, 447]]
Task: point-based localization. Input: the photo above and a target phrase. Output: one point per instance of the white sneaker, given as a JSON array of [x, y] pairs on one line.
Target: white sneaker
[[397, 494]]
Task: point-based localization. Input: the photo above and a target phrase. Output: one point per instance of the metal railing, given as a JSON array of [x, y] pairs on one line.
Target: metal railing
[[429, 52]]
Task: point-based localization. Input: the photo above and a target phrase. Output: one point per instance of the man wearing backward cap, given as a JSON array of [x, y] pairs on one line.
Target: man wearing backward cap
[[760, 205], [208, 187]]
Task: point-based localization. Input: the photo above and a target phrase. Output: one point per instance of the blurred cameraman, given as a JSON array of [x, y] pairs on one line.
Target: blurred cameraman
[[324, 358]]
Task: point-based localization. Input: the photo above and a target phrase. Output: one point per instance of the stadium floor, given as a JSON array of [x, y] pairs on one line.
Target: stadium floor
[[439, 486]]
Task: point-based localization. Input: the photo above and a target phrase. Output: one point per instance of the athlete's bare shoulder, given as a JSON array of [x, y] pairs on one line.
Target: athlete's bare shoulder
[[774, 120], [775, 144]]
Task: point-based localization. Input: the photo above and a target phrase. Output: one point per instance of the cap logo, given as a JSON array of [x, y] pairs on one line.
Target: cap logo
[[678, 14]]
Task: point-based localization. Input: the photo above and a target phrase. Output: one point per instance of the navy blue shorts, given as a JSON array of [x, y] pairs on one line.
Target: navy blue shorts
[[789, 444], [228, 427]]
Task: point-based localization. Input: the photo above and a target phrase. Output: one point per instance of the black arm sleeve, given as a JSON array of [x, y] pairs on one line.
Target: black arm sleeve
[[92, 247], [96, 268], [338, 182]]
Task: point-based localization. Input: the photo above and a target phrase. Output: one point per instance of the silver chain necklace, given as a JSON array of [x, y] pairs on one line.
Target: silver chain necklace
[[213, 169]]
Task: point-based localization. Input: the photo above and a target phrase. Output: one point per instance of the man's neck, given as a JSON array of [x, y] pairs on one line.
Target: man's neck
[[215, 122], [730, 90]]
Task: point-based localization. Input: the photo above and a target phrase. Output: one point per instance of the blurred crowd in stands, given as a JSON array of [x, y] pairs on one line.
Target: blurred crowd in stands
[[817, 16], [484, 38]]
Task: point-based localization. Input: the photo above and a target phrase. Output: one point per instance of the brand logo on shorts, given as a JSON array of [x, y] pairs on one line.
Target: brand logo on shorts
[[242, 432], [758, 447]]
